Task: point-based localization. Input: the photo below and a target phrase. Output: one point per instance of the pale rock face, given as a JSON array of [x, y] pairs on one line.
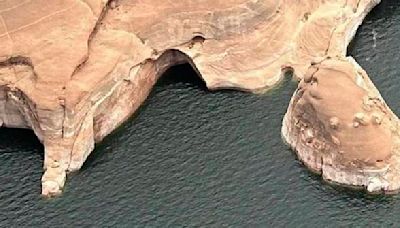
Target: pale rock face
[[74, 70]]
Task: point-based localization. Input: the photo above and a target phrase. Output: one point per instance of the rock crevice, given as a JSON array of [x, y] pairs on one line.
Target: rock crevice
[[84, 67]]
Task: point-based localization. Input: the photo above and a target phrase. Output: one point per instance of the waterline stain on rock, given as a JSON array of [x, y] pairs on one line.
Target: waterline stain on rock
[[74, 97]]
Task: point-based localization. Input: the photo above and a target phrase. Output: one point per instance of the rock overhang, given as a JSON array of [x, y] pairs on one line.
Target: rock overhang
[[91, 63]]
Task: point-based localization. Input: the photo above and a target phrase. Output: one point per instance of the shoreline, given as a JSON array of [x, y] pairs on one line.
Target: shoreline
[[74, 98]]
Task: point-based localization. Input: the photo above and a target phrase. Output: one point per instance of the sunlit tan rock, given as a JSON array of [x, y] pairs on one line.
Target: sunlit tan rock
[[74, 70], [354, 139]]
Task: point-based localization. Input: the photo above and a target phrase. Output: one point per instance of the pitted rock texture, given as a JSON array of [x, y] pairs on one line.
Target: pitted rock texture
[[74, 70], [340, 126]]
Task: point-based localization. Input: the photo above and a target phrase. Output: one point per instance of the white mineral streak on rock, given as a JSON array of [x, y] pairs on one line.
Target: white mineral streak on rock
[[74, 70]]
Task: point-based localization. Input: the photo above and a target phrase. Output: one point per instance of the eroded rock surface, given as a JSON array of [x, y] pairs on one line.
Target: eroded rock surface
[[340, 126], [74, 70]]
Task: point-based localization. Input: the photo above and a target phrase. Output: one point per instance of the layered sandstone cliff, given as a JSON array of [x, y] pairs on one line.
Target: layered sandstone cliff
[[74, 70]]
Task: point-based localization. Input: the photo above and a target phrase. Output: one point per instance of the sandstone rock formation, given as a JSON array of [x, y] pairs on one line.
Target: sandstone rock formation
[[74, 70], [340, 127]]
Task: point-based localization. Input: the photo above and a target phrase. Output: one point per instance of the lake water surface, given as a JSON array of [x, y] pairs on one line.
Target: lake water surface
[[196, 158]]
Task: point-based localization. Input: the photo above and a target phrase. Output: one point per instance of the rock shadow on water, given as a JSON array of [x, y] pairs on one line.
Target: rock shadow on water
[[386, 10], [182, 74], [176, 77], [20, 140], [21, 159], [182, 77]]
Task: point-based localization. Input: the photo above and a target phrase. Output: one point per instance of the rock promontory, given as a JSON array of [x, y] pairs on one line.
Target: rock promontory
[[340, 127], [74, 70]]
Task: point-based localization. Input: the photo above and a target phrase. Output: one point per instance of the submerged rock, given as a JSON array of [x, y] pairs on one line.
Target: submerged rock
[[73, 70]]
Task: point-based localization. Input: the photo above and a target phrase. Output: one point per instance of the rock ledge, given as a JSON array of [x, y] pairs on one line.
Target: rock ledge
[[74, 70]]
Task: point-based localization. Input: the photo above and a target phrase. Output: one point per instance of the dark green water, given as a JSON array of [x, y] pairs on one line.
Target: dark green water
[[196, 158]]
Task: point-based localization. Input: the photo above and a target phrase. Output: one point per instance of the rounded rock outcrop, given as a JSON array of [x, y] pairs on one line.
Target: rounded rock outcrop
[[351, 145], [73, 71]]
